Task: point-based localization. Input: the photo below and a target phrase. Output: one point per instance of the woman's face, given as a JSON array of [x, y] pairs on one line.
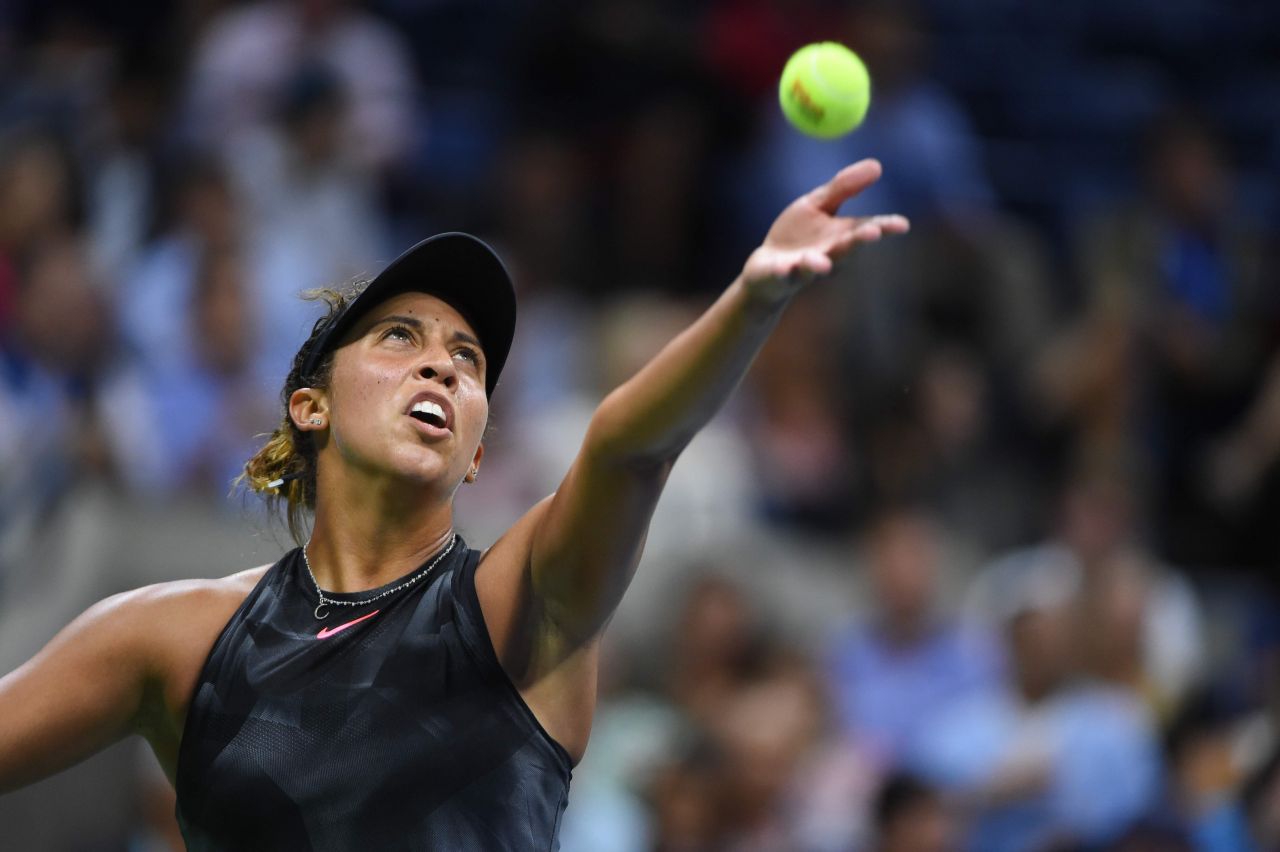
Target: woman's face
[[406, 394]]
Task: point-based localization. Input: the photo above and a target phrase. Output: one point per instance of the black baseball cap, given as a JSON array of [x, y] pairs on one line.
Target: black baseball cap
[[460, 269]]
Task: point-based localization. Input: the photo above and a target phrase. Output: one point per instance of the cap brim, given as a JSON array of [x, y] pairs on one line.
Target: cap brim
[[456, 267]]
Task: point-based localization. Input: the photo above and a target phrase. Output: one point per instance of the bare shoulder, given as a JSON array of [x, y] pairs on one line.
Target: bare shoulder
[[189, 614], [179, 605], [189, 602]]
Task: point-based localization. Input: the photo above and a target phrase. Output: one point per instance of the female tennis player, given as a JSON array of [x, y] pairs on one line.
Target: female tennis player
[[383, 686]]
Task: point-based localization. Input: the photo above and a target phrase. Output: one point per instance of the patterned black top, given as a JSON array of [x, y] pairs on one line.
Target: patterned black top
[[390, 726]]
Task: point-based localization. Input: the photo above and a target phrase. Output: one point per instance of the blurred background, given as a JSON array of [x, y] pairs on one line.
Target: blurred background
[[982, 554]]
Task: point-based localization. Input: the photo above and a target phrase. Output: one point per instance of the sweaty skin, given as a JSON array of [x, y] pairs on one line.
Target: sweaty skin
[[385, 487]]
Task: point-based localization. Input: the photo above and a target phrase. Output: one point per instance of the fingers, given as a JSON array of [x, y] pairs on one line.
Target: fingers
[[868, 230], [803, 266], [890, 224], [847, 183], [820, 256], [841, 248], [815, 263]]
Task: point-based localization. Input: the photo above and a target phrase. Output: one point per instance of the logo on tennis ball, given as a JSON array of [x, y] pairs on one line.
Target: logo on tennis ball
[[812, 111], [825, 90]]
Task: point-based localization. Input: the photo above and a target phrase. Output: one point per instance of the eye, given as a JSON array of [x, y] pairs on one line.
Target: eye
[[400, 332], [466, 353]]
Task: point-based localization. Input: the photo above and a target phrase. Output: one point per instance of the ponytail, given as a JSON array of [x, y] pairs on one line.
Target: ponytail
[[279, 472], [283, 471]]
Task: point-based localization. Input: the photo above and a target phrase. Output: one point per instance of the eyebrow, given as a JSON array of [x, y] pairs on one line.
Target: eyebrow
[[463, 337], [412, 322]]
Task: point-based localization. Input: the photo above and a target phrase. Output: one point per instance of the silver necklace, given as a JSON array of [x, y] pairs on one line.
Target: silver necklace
[[328, 602]]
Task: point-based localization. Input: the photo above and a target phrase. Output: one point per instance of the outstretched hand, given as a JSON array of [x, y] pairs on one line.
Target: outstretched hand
[[809, 238]]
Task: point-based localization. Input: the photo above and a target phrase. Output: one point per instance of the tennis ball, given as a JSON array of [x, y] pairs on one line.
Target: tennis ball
[[825, 90]]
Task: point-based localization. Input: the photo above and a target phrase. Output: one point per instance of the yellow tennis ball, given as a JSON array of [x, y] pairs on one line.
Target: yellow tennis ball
[[825, 90]]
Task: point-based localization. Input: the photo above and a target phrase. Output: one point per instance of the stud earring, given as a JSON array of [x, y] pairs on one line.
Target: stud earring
[[316, 421], [475, 474]]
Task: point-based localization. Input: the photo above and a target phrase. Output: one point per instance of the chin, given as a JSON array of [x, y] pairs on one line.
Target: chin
[[426, 473], [423, 476]]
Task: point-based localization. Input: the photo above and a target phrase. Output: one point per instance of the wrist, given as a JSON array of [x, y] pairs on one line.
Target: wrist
[[764, 297]]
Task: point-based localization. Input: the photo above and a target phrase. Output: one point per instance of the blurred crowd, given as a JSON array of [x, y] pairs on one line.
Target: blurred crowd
[[982, 554]]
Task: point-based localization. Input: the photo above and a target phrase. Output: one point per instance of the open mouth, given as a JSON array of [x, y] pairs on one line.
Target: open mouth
[[429, 412]]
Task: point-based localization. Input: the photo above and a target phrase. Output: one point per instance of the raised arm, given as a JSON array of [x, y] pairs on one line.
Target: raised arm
[[582, 543], [653, 416]]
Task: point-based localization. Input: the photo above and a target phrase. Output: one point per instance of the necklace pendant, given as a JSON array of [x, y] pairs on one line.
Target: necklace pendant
[[325, 604]]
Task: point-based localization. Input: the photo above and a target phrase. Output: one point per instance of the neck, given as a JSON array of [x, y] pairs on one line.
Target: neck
[[907, 629], [364, 540], [1034, 689]]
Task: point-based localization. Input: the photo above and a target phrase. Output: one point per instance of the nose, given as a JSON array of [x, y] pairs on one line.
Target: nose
[[437, 364]]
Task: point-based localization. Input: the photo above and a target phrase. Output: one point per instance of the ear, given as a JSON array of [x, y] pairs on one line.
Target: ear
[[309, 409], [474, 470]]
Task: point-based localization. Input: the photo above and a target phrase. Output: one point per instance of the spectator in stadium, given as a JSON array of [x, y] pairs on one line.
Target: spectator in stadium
[[197, 216], [1139, 623], [38, 204], [1179, 322], [900, 663], [1207, 777], [246, 57], [1049, 756], [50, 358], [912, 816], [310, 215], [183, 424]]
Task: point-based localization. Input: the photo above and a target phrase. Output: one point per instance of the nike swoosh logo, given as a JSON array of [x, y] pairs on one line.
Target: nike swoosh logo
[[330, 631]]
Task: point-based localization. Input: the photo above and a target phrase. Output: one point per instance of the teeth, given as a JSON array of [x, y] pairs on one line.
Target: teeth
[[428, 407]]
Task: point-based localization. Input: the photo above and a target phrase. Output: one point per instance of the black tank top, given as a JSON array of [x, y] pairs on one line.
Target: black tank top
[[390, 726]]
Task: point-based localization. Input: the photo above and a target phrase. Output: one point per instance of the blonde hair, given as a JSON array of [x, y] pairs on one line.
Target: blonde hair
[[283, 471]]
